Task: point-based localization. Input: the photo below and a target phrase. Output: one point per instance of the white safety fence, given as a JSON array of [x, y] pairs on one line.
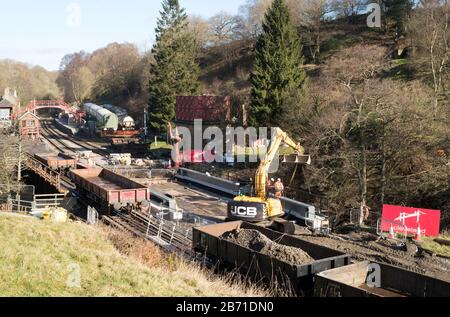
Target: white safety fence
[[174, 236]]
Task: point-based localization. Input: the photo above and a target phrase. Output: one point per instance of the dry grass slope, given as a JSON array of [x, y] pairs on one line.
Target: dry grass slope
[[35, 260], [439, 249]]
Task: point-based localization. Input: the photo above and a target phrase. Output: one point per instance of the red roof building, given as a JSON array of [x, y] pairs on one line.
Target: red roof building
[[30, 125], [210, 109]]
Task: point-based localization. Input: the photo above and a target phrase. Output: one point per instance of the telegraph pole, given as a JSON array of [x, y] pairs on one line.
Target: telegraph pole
[[145, 124], [19, 170]]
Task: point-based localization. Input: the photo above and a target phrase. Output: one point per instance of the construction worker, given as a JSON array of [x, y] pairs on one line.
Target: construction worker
[[366, 212], [279, 188], [269, 185], [175, 139]]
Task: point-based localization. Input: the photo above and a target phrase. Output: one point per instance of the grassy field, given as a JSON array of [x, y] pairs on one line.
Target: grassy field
[[439, 249], [72, 259], [160, 145]]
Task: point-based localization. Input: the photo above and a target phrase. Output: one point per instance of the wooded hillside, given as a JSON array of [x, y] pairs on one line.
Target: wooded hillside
[[375, 114]]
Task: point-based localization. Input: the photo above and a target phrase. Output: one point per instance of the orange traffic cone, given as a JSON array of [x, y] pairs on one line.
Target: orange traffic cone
[[391, 233], [418, 236]]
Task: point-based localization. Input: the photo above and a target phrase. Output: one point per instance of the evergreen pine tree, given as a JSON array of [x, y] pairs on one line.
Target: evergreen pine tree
[[277, 66], [175, 71], [398, 11]]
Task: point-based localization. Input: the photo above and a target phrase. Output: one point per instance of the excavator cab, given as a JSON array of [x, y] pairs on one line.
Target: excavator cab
[[261, 208], [254, 210]]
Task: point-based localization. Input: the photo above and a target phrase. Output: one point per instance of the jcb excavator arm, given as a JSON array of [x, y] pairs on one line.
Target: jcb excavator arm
[[262, 173]]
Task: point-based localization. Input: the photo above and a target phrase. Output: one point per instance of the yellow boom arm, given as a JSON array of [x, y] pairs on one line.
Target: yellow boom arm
[[263, 170]]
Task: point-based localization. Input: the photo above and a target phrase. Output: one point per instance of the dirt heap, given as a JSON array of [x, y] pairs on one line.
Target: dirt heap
[[257, 241]]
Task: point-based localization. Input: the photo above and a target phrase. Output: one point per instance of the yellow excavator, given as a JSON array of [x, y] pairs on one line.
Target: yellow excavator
[[261, 208]]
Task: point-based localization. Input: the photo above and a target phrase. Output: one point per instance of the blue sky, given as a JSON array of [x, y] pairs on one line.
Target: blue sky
[[42, 32]]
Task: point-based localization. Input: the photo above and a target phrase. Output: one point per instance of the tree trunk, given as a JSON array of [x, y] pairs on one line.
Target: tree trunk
[[383, 169], [363, 184], [19, 165]]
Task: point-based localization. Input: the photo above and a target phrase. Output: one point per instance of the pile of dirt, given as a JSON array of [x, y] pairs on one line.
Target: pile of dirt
[[257, 241], [388, 253]]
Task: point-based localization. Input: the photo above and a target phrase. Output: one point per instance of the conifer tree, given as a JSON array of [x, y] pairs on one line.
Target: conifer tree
[[277, 67], [175, 71], [398, 11]]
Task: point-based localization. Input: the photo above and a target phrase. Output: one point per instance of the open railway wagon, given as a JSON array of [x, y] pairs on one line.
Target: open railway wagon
[[210, 241], [111, 191], [57, 162], [389, 281], [120, 134]]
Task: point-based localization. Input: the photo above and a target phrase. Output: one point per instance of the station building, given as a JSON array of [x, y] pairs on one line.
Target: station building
[[9, 103], [214, 111], [6, 110], [29, 125]]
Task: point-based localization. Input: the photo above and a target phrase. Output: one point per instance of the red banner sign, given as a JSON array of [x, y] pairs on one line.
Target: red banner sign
[[410, 219]]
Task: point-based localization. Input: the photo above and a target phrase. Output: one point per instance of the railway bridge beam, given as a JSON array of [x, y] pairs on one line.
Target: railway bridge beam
[[35, 105], [45, 172]]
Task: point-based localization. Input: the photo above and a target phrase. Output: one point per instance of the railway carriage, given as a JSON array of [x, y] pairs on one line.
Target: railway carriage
[[105, 119], [126, 122]]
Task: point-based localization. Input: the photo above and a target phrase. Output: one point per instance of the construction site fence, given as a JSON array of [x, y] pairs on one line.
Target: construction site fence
[[355, 214], [380, 232], [39, 202], [14, 206], [172, 235], [50, 200]]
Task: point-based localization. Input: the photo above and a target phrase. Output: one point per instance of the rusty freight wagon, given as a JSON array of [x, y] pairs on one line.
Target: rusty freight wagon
[[57, 162], [111, 191], [210, 241], [385, 281], [124, 134]]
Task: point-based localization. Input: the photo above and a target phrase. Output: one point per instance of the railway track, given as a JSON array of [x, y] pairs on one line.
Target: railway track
[[59, 139], [56, 133], [172, 236], [60, 142], [61, 147]]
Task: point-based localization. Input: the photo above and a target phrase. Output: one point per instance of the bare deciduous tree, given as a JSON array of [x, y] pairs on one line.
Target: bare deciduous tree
[[75, 78], [310, 15], [10, 157], [29, 81], [201, 29], [223, 27], [347, 8], [252, 14], [431, 36]]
